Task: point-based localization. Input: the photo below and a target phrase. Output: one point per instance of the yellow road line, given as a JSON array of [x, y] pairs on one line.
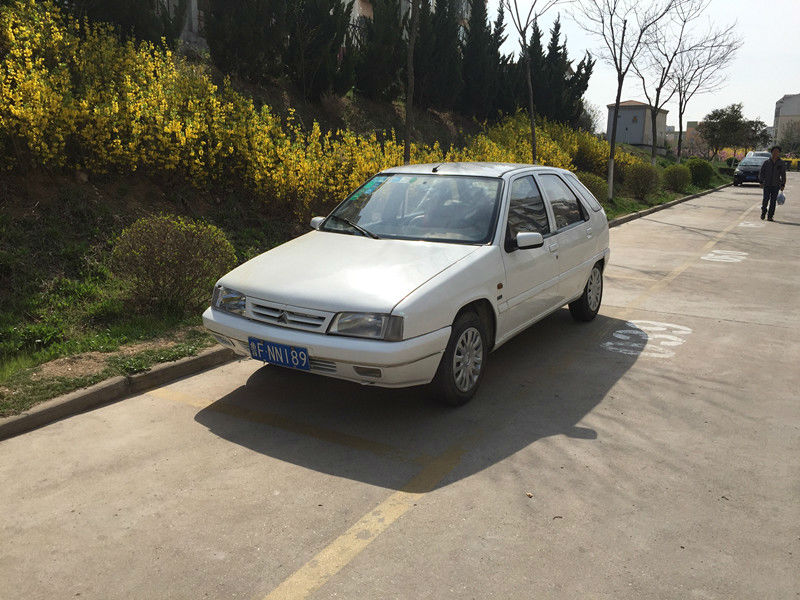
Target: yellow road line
[[670, 277], [285, 423], [320, 433], [331, 559], [174, 395]]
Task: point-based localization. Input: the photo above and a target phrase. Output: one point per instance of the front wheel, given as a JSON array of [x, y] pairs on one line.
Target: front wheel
[[585, 308], [463, 362]]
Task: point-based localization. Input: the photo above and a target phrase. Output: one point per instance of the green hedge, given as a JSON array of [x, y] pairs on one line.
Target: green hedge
[[702, 172], [171, 262]]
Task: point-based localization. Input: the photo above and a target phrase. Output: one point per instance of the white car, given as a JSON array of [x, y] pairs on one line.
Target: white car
[[419, 274]]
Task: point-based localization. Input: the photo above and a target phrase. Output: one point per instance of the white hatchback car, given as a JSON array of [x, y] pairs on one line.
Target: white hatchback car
[[419, 274]]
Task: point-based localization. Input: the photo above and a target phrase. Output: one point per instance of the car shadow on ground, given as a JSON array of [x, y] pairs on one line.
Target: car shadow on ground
[[540, 384]]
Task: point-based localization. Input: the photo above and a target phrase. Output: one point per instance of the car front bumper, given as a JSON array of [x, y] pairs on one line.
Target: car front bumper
[[400, 364]]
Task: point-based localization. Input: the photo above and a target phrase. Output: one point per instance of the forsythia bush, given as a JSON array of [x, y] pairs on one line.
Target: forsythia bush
[[73, 95], [172, 262]]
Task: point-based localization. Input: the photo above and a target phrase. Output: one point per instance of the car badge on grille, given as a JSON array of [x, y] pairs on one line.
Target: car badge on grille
[[283, 318]]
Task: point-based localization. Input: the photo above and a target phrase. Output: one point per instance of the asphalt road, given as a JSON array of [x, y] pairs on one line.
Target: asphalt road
[[652, 453]]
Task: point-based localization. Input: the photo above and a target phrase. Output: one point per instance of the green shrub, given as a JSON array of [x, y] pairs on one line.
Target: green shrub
[[171, 262], [642, 180], [597, 185], [677, 177], [702, 172]]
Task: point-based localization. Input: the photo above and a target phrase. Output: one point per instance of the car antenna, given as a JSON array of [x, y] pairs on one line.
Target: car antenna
[[436, 168]]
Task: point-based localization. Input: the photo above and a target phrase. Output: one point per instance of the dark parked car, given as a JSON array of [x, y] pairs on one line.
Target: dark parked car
[[747, 170]]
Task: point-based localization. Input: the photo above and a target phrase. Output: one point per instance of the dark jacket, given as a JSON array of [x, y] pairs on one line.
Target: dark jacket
[[773, 173]]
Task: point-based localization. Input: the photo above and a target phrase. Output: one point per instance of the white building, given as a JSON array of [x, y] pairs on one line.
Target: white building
[[633, 124]]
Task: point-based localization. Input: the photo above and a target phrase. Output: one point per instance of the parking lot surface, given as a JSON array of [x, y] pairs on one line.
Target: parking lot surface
[[651, 453]]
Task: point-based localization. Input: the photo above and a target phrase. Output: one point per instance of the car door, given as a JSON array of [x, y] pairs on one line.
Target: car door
[[531, 288], [572, 241]]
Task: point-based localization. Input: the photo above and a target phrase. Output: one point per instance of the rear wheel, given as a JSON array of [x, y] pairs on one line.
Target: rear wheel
[[585, 308], [463, 362]]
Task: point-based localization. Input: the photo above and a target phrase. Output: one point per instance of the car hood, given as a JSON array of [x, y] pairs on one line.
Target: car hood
[[338, 272]]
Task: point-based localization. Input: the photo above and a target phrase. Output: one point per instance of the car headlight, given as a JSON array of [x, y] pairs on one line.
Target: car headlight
[[229, 300], [368, 325], [738, 171]]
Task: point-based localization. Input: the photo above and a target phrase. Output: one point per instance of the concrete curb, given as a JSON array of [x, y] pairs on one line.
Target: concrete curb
[[653, 209], [111, 390]]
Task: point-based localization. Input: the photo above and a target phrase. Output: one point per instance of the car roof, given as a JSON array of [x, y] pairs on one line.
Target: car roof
[[482, 169]]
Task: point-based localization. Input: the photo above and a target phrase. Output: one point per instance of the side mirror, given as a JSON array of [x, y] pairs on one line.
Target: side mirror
[[316, 222], [528, 239]]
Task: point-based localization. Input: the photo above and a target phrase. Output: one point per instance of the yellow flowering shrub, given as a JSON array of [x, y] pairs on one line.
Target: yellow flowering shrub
[[74, 95]]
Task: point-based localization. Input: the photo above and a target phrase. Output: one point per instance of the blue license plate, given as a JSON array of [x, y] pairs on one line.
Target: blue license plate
[[279, 354]]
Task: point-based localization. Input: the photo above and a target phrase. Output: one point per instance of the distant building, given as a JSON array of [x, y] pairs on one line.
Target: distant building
[[633, 124], [787, 109], [363, 8], [671, 136]]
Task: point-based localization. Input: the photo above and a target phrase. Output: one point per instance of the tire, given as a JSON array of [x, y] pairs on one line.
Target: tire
[[461, 370], [585, 308]]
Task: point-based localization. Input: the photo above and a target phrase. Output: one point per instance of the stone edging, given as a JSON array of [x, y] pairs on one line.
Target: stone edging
[[118, 388], [111, 390], [652, 209]]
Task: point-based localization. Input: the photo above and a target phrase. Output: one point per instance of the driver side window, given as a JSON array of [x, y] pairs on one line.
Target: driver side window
[[526, 211]]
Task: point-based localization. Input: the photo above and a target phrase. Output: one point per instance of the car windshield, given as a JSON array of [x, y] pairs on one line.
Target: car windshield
[[439, 208], [753, 161]]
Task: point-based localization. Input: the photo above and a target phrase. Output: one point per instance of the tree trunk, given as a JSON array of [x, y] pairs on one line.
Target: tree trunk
[[680, 134], [613, 141], [654, 124], [412, 38], [530, 102]]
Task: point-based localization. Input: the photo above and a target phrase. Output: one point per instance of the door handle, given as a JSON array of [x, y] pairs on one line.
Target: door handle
[[553, 247], [588, 232]]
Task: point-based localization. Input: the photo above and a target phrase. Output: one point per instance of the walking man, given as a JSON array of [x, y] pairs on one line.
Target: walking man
[[773, 178]]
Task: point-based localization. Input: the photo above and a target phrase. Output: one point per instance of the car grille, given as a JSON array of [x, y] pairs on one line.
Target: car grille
[[322, 366], [282, 315]]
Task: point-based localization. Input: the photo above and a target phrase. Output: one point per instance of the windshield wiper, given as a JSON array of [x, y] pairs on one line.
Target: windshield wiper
[[358, 228]]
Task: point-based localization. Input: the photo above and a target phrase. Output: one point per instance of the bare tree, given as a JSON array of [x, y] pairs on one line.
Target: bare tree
[[523, 26], [662, 48], [699, 67], [623, 26], [412, 39]]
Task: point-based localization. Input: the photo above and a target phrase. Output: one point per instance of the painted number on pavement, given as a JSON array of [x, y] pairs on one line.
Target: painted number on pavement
[[647, 338], [731, 256]]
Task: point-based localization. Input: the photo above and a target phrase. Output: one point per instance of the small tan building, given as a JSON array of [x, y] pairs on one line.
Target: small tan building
[[787, 109], [633, 124]]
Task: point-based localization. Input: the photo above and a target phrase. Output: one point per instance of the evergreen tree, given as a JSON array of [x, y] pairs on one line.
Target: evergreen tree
[[247, 37], [317, 33], [508, 73], [447, 56], [480, 64], [425, 64], [558, 95], [381, 51], [143, 19]]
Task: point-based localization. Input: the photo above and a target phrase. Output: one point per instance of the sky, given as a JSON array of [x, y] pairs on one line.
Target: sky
[[765, 69]]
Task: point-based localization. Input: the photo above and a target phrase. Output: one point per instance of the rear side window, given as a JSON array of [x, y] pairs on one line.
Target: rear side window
[[526, 211], [567, 208], [584, 191]]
